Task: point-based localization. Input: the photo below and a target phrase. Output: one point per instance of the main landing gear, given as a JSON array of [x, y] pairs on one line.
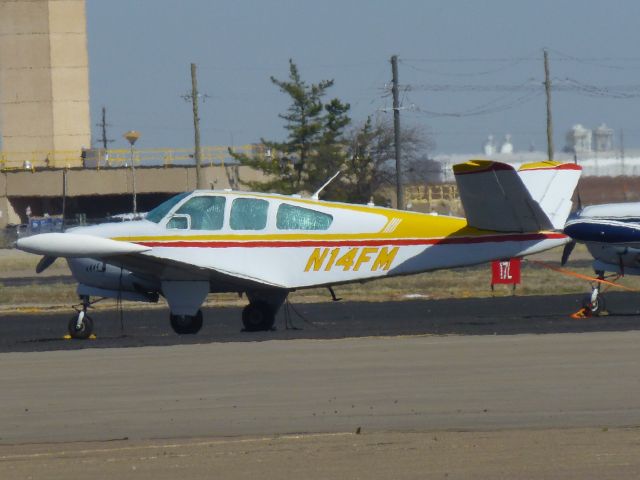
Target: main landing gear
[[80, 326], [186, 324], [258, 316]]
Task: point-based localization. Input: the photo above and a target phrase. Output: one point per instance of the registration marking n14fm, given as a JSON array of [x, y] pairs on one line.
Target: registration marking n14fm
[[353, 258]]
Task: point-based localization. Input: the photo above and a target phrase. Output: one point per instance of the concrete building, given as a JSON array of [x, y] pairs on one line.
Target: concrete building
[[44, 82]]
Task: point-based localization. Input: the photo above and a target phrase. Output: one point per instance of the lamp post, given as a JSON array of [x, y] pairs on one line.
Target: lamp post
[[132, 136]]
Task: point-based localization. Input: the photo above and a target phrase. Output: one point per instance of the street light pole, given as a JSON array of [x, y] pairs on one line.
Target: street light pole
[[132, 136]]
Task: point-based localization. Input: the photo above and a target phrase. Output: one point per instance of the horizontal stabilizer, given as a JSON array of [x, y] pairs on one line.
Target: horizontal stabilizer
[[497, 197], [71, 245]]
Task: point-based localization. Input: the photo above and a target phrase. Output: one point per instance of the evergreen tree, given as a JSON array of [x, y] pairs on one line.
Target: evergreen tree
[[314, 130]]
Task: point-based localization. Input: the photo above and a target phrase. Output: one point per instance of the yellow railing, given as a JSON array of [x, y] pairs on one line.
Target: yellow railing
[[430, 193], [118, 158]]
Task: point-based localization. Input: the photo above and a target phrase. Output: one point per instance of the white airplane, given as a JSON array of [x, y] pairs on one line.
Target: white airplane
[[267, 245], [611, 233]]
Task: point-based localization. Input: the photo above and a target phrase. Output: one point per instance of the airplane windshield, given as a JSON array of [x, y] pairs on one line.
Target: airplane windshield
[[205, 213], [161, 210]]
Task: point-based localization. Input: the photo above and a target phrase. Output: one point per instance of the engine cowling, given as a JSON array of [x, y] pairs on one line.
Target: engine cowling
[[98, 278]]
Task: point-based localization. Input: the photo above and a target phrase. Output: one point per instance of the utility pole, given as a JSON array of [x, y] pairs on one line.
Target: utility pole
[[396, 132], [132, 137], [103, 126], [196, 125], [547, 90], [64, 196]]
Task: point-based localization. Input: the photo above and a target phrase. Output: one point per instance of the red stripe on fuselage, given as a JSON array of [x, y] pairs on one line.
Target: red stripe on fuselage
[[350, 243]]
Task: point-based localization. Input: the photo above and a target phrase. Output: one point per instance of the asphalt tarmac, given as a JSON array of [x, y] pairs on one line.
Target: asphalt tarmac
[[511, 315], [507, 387]]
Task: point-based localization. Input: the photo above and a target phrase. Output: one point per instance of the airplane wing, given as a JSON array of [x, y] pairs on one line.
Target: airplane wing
[[497, 197], [131, 256]]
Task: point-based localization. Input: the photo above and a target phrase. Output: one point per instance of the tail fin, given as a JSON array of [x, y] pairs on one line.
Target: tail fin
[[496, 197], [551, 184]]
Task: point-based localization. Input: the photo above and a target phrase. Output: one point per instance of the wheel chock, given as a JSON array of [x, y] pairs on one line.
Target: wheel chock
[[584, 312], [69, 337]]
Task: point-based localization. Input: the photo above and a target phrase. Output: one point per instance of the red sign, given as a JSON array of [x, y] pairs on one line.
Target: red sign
[[505, 272]]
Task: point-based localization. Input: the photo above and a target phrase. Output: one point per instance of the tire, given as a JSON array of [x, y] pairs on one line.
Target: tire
[[186, 324], [258, 316], [85, 330], [597, 307]]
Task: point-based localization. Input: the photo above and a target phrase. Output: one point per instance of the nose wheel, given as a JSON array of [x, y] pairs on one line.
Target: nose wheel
[[80, 326]]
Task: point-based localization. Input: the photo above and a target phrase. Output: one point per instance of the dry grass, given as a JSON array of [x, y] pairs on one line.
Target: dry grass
[[14, 263], [455, 283]]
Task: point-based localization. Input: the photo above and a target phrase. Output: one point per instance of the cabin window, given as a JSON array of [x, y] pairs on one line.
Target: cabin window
[[290, 217], [161, 210], [205, 213], [248, 214], [179, 222]]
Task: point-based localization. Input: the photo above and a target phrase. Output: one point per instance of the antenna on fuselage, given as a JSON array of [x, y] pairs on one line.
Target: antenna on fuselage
[[316, 196]]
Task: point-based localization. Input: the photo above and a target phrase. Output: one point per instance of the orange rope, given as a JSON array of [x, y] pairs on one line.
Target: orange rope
[[564, 271]]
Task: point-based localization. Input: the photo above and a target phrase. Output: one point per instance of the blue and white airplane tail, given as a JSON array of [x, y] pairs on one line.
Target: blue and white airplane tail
[[497, 197]]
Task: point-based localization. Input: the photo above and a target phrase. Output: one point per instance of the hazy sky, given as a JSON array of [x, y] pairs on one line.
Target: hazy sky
[[140, 51]]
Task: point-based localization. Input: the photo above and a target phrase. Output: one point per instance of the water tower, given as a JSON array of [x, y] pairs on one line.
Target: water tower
[[603, 139]]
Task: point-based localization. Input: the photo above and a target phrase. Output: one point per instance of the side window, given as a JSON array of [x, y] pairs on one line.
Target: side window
[[201, 213], [248, 214], [179, 222], [290, 217]]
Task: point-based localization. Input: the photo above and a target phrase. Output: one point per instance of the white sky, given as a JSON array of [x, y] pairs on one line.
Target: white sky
[[140, 51]]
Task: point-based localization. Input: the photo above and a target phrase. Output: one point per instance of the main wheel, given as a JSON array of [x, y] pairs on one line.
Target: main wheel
[[186, 324], [258, 316], [596, 307], [82, 331]]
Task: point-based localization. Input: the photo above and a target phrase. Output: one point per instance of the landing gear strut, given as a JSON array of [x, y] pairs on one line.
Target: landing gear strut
[[594, 302], [186, 324], [258, 316], [81, 325]]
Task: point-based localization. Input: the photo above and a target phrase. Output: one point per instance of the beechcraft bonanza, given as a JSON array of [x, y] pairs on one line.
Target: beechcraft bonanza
[[611, 233], [267, 245]]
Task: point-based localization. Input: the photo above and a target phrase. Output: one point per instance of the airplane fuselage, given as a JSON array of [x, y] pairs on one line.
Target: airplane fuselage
[[360, 243]]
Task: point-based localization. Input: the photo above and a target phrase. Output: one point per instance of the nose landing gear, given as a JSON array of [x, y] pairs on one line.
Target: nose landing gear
[[80, 326]]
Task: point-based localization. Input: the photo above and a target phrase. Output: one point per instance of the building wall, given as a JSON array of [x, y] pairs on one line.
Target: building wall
[[44, 79]]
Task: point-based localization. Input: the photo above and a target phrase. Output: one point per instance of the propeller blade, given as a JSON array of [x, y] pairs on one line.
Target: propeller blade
[[568, 248], [579, 200], [44, 263]]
